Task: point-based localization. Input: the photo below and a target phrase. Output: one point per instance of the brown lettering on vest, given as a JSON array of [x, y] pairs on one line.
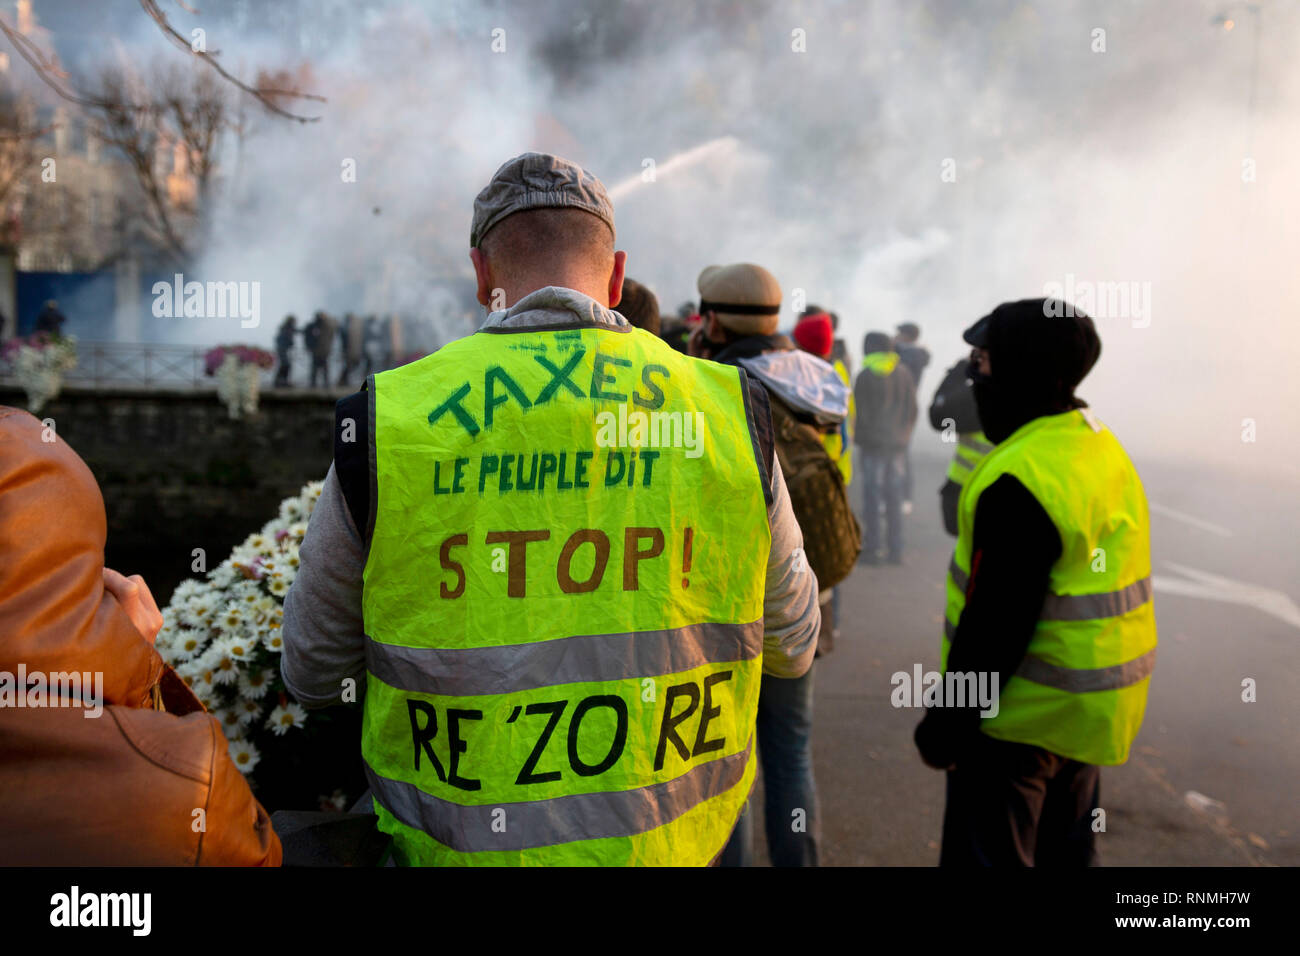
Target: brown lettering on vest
[[517, 570], [563, 571], [633, 556], [451, 564]]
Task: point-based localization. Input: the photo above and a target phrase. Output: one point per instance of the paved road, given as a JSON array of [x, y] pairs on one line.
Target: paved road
[[881, 806]]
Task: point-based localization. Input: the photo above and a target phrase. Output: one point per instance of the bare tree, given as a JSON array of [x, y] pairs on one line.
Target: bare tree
[[18, 136], [180, 110]]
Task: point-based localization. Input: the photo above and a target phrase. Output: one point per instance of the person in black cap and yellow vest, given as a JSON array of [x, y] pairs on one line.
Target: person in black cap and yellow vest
[[1048, 603]]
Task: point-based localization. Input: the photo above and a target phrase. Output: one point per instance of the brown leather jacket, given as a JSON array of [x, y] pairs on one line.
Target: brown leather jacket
[[135, 785]]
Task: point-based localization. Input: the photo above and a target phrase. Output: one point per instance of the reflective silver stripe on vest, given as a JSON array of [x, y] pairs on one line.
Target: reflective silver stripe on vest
[[578, 816], [1079, 607], [974, 444], [1089, 607], [959, 577], [1077, 681], [502, 669]]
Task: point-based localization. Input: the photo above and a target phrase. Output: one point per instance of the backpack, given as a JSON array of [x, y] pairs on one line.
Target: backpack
[[832, 538]]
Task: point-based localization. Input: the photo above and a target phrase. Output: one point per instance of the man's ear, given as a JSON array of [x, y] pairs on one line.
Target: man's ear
[[616, 279], [481, 273]]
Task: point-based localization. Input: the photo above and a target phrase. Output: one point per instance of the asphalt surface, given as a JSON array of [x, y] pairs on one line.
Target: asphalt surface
[[1213, 779]]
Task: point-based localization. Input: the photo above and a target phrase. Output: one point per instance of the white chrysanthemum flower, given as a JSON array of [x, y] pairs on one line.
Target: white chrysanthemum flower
[[253, 684], [170, 656], [189, 588], [224, 576], [285, 717], [248, 710], [279, 585], [198, 609], [223, 666], [232, 720], [186, 643], [273, 640], [233, 618], [204, 683], [239, 646], [243, 592], [244, 754]]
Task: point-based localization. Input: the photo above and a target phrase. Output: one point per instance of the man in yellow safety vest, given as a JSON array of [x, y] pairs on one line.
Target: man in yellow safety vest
[[556, 556], [1050, 635]]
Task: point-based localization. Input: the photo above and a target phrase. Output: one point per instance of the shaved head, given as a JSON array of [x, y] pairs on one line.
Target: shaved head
[[536, 248], [540, 238]]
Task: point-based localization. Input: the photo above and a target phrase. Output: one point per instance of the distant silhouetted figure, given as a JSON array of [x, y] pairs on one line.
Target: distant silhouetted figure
[[319, 339], [50, 319], [351, 334], [374, 340], [284, 347]]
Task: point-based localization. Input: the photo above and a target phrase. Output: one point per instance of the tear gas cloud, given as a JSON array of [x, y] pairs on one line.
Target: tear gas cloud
[[896, 161]]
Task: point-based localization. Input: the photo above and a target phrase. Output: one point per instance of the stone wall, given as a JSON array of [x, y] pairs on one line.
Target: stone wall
[[178, 473]]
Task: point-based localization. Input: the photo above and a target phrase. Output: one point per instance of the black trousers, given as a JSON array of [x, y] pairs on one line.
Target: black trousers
[[1012, 804]]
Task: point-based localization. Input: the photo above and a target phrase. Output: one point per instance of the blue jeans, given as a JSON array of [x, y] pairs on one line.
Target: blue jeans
[[785, 709], [882, 479]]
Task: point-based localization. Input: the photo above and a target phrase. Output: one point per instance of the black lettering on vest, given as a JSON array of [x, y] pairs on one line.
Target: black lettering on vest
[[656, 399], [457, 747], [599, 379], [560, 376], [491, 400], [451, 564], [420, 736], [648, 459], [487, 466], [668, 729], [555, 708], [703, 746], [619, 707], [452, 405], [547, 467]]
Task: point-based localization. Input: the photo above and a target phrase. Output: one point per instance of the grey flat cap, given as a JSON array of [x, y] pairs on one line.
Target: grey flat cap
[[538, 181]]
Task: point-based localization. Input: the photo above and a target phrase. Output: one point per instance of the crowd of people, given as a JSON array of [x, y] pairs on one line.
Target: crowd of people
[[522, 705], [363, 347]]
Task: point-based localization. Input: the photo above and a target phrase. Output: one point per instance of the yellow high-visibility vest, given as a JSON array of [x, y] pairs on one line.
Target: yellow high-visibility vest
[[835, 443], [1081, 689], [563, 601], [971, 447]]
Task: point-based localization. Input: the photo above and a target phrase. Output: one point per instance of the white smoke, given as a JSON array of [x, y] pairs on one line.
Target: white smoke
[[829, 166]]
